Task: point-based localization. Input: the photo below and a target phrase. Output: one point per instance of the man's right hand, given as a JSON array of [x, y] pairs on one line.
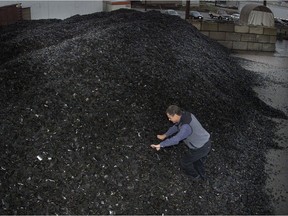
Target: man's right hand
[[161, 137]]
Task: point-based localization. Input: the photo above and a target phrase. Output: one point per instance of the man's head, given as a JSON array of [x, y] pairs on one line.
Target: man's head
[[174, 113]]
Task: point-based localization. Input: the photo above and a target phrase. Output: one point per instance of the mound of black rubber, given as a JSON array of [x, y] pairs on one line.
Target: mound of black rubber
[[82, 100]]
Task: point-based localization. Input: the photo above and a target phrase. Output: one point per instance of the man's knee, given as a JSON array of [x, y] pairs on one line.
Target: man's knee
[[185, 164]]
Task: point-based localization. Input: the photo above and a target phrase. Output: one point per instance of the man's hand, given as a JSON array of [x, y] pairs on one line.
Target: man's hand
[[156, 146], [161, 137]]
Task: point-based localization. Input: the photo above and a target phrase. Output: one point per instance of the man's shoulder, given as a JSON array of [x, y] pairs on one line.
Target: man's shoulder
[[186, 118]]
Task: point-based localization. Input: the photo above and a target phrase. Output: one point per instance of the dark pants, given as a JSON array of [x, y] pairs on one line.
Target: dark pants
[[193, 161]]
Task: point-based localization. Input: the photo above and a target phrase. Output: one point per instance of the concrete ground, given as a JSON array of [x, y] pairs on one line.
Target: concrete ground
[[274, 66]]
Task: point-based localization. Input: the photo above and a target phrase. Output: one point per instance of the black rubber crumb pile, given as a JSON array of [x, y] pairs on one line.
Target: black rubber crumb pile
[[82, 99]]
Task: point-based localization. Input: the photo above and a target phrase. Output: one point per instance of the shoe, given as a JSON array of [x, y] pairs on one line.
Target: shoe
[[203, 159]]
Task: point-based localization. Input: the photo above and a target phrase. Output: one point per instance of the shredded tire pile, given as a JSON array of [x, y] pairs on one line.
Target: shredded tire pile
[[82, 99]]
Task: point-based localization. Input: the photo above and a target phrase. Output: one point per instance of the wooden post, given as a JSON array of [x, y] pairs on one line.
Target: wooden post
[[187, 9]]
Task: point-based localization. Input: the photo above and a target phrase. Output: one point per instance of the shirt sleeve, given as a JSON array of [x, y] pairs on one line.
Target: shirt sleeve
[[184, 132], [172, 130]]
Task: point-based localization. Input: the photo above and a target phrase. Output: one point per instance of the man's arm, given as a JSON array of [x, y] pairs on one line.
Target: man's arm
[[184, 132], [172, 130]]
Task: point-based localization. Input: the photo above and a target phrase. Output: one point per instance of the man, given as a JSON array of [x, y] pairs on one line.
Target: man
[[188, 129]]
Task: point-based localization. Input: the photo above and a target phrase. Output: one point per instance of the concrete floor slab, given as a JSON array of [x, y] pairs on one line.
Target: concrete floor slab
[[274, 67]]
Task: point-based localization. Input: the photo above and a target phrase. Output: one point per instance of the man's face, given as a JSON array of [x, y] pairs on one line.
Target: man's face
[[173, 118]]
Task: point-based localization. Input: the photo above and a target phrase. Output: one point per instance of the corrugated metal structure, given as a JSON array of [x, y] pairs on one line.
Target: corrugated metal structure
[[258, 15], [170, 3], [10, 14]]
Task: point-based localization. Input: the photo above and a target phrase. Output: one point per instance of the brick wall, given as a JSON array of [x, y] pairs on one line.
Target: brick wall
[[237, 37]]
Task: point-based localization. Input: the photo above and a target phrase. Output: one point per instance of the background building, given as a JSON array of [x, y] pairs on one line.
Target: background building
[[56, 9]]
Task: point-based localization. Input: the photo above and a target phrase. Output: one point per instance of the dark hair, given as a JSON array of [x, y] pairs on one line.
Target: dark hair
[[173, 109]]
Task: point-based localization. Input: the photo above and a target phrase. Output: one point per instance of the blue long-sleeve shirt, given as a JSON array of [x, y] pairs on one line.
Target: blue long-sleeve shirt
[[182, 134]]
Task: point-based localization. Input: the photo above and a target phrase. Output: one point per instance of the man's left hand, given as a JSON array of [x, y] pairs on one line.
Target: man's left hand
[[156, 146]]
